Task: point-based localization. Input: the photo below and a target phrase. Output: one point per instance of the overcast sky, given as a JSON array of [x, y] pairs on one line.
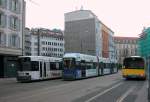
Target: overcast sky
[[124, 17]]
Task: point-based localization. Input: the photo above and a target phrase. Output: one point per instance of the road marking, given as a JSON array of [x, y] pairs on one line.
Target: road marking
[[125, 95], [105, 91]]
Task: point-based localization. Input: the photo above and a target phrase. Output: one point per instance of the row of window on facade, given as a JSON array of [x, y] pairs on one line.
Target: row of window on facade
[[52, 49], [12, 5], [28, 48], [28, 43], [130, 46], [50, 54], [14, 22], [59, 39], [113, 57], [52, 43], [127, 52], [126, 41], [13, 40]]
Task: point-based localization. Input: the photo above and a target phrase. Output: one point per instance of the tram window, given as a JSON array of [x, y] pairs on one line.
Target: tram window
[[54, 66], [109, 65], [60, 66], [106, 64], [66, 63], [83, 66], [69, 63], [57, 66], [89, 66], [101, 65], [96, 65], [112, 65], [73, 64], [34, 66], [24, 64], [20, 65], [77, 64]]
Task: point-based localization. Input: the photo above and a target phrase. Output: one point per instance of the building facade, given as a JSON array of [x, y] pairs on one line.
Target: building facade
[[45, 42], [108, 46], [85, 33], [126, 46], [27, 42], [12, 24], [80, 32]]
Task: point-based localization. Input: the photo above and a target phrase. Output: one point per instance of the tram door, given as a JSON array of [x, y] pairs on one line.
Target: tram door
[[42, 69]]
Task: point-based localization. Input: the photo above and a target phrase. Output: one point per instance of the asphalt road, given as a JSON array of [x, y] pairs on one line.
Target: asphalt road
[[110, 88]]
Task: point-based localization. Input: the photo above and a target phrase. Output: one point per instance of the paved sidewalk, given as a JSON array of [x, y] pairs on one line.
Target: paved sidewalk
[[7, 81]]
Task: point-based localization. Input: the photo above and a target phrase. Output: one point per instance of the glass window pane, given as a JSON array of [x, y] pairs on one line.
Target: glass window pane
[[35, 65]]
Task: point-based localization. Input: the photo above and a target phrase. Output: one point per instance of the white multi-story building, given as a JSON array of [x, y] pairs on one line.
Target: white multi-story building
[[12, 24], [125, 46], [45, 42], [27, 42]]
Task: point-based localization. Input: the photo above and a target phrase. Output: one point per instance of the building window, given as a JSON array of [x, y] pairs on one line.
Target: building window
[[2, 19], [35, 49], [2, 39], [15, 6], [3, 3], [14, 23], [14, 41], [43, 42], [36, 43]]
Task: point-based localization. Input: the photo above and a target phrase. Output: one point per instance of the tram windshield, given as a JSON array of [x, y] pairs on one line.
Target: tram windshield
[[69, 63], [25, 64], [136, 63]]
